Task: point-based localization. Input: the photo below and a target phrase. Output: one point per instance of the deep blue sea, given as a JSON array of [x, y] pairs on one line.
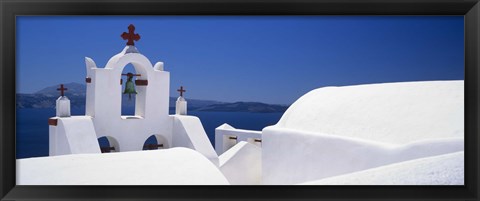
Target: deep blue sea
[[32, 126]]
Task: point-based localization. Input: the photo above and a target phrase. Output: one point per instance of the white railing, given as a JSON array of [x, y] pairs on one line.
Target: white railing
[[227, 136]]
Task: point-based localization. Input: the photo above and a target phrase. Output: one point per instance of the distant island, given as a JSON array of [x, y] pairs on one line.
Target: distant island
[[244, 107], [46, 98]]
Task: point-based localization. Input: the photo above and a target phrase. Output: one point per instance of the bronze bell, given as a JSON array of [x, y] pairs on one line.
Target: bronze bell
[[129, 86]]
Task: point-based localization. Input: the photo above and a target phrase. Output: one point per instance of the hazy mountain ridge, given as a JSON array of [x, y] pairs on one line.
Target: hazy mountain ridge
[[244, 107], [73, 89], [46, 98]]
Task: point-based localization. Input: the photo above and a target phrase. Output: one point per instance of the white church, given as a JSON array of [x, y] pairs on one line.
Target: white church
[[408, 133]]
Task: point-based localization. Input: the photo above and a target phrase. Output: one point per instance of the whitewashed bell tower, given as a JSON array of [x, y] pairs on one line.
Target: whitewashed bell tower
[[103, 117], [104, 94]]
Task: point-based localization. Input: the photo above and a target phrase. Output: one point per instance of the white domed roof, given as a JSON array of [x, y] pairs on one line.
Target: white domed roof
[[393, 112]]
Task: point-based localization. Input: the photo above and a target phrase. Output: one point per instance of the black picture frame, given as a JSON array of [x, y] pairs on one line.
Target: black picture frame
[[470, 9]]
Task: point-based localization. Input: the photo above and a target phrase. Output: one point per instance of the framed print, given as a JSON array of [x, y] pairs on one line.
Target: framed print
[[266, 100]]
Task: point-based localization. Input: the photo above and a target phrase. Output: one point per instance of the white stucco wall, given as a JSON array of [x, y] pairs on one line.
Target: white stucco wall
[[337, 130], [73, 135], [447, 169], [242, 164], [176, 166], [291, 156], [225, 131], [188, 132]]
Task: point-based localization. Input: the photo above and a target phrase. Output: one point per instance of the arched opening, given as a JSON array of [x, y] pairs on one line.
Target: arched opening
[[128, 100], [155, 142], [108, 144], [139, 66]]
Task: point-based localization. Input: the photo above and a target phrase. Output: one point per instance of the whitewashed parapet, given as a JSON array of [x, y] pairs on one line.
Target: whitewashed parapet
[[227, 136], [72, 135], [242, 164], [188, 132]]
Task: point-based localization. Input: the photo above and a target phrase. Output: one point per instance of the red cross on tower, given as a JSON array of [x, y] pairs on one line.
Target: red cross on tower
[[61, 89], [181, 90], [130, 36]]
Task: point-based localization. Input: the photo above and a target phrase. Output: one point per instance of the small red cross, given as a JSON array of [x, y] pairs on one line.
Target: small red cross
[[130, 36], [61, 89], [181, 90]]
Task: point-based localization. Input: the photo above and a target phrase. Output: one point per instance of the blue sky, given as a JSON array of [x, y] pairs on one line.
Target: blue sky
[[271, 59]]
